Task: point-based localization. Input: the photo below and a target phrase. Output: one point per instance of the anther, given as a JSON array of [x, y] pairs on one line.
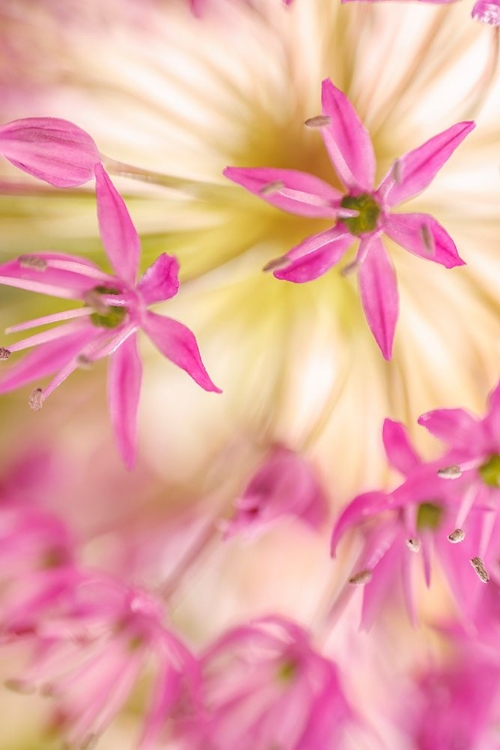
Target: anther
[[271, 188], [427, 238], [364, 576], [397, 172], [349, 268], [481, 571], [319, 121], [35, 400], [84, 362], [413, 544], [19, 686], [32, 261], [277, 263], [450, 472], [93, 299], [456, 536], [4, 353]]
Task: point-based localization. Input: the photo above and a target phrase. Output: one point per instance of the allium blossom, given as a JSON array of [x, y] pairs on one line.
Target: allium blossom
[[115, 308], [417, 521], [50, 149], [265, 687], [283, 486], [91, 643], [363, 212]]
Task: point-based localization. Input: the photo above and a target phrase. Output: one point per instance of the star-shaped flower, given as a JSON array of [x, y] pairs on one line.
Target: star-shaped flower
[[363, 212], [115, 308]]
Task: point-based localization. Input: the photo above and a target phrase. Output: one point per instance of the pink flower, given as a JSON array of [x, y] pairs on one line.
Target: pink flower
[[115, 308], [264, 687], [51, 149], [409, 526], [91, 646], [487, 11], [283, 486], [197, 6], [363, 212]]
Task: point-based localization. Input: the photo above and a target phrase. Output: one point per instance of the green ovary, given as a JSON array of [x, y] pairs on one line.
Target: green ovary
[[428, 516], [110, 317], [490, 471], [369, 211]]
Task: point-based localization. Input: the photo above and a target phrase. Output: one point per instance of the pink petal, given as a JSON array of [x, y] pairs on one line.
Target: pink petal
[[359, 510], [347, 140], [315, 256], [124, 386], [161, 280], [456, 427], [71, 282], [47, 358], [487, 11], [296, 192], [118, 234], [418, 168], [178, 344], [398, 447], [379, 294], [51, 149], [492, 419], [422, 235]]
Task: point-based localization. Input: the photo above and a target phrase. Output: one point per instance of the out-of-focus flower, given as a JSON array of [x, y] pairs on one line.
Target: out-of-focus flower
[[419, 520], [263, 687], [115, 309], [487, 11], [351, 152], [51, 149], [284, 486]]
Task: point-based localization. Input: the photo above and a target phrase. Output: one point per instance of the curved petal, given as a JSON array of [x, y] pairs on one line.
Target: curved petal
[[417, 168], [422, 235], [348, 142], [398, 447], [50, 149], [379, 294], [296, 192], [161, 280], [55, 274], [315, 256], [118, 234], [47, 358], [456, 427], [124, 387], [178, 344], [359, 510]]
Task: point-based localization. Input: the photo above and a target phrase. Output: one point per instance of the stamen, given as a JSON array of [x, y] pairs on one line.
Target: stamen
[[450, 472], [273, 265], [4, 353], [481, 571], [413, 544], [32, 261], [397, 172], [84, 362], [456, 536], [319, 121], [46, 319], [35, 400], [350, 268], [19, 686], [94, 299], [427, 239], [271, 188], [80, 268], [364, 576]]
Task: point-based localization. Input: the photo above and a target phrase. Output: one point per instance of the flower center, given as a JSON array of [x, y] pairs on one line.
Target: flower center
[[287, 671], [490, 471], [428, 516], [105, 315], [369, 211]]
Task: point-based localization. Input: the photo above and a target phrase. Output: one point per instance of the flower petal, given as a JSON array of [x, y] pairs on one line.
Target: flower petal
[[379, 293], [359, 510], [51, 149], [56, 274], [47, 358], [161, 280], [178, 344], [417, 168], [456, 427], [422, 235], [398, 448], [348, 142], [296, 192], [315, 256], [118, 234], [124, 386]]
